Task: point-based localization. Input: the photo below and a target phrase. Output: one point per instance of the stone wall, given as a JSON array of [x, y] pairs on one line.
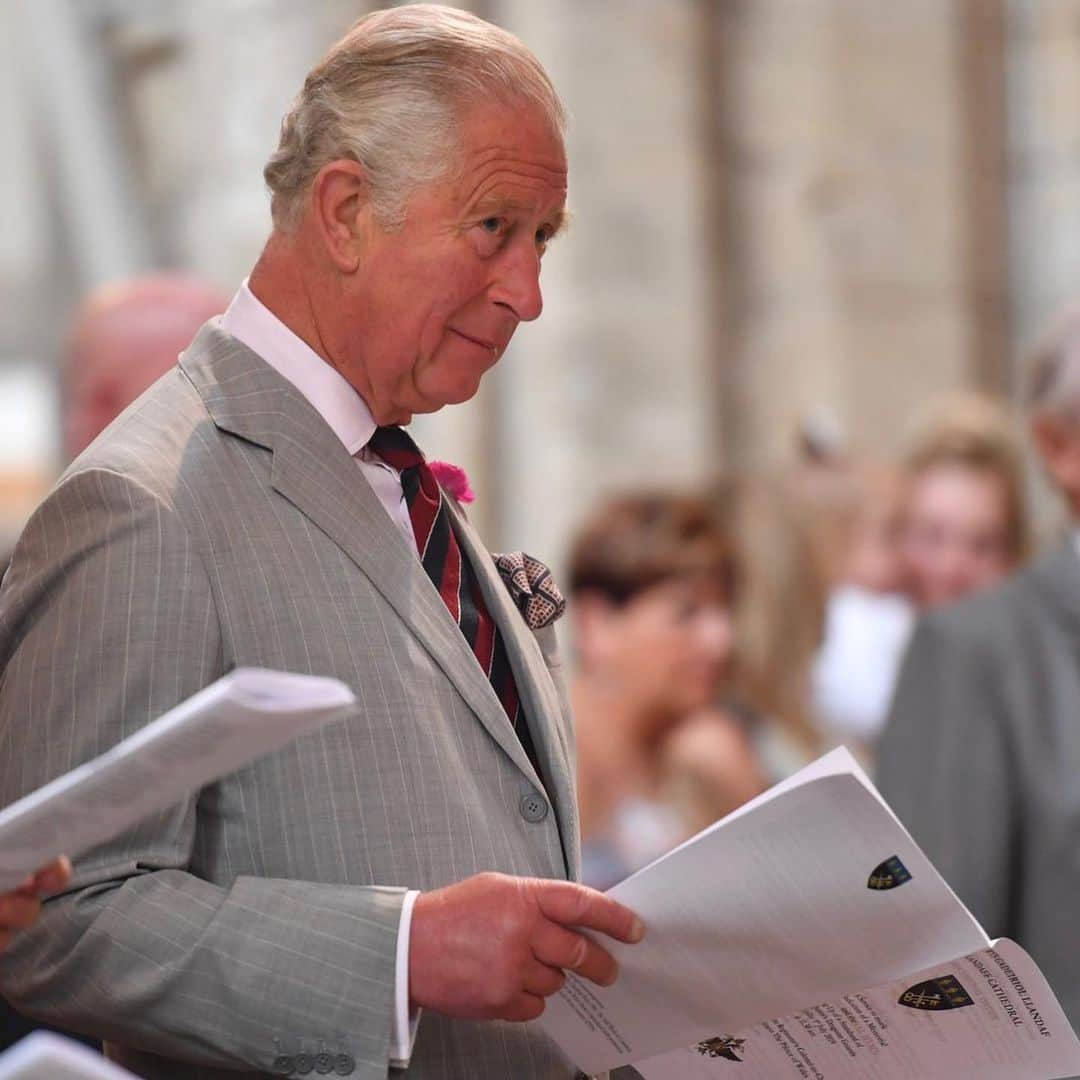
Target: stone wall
[[782, 208]]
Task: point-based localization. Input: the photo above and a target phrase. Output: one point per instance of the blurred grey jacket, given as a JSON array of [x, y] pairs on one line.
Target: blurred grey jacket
[[981, 759], [219, 522]]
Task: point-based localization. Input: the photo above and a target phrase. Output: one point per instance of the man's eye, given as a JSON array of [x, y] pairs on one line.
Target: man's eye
[[492, 225]]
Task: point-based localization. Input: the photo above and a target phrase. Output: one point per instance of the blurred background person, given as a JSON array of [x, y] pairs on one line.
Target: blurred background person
[[124, 337], [950, 520], [650, 595], [778, 541], [965, 518], [19, 908], [980, 756], [868, 618]]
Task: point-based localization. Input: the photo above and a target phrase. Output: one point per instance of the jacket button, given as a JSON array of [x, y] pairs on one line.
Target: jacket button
[[324, 1063], [344, 1064], [303, 1064], [534, 808], [283, 1065]]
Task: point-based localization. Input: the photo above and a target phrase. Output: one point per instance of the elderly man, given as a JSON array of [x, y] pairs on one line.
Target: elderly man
[[982, 752], [263, 505]]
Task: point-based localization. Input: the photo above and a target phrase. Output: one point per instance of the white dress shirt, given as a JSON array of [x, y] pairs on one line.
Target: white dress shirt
[[347, 415]]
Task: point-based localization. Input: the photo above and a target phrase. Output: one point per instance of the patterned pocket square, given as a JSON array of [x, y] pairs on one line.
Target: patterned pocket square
[[531, 585]]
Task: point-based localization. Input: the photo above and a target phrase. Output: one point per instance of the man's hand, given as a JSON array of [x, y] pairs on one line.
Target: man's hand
[[19, 908], [493, 947]]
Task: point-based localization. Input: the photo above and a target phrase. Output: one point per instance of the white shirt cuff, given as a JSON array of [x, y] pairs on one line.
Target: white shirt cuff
[[406, 1020]]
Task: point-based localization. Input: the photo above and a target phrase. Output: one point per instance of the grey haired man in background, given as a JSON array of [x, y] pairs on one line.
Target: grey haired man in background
[[981, 757]]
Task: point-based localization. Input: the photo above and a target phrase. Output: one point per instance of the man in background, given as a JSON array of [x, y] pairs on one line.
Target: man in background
[[123, 338], [20, 907], [982, 752]]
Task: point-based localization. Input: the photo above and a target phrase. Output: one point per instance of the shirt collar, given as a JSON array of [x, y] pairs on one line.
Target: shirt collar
[[329, 393]]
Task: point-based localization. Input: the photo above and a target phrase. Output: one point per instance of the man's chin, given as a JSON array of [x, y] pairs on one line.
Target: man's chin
[[455, 394]]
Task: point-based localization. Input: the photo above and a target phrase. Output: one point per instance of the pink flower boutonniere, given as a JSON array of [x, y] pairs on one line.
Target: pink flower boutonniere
[[453, 479]]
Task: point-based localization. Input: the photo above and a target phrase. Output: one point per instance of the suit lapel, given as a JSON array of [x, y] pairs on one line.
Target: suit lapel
[[539, 697], [312, 469]]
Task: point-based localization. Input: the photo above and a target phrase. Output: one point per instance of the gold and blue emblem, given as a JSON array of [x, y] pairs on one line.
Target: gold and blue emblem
[[890, 874], [936, 995]]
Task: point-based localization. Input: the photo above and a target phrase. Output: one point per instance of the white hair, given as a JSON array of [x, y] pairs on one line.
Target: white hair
[[1053, 371], [390, 95]]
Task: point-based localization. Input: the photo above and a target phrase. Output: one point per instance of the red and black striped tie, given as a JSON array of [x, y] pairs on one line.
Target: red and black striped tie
[[450, 572]]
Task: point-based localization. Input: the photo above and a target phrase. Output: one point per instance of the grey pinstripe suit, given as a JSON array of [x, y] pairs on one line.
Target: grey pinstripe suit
[[219, 522]]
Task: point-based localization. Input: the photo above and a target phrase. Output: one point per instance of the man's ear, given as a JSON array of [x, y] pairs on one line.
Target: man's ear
[[341, 211]]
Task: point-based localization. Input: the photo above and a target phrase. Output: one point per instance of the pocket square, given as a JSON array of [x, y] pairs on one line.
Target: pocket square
[[533, 588]]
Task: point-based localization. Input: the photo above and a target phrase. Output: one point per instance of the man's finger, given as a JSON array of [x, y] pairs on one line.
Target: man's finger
[[577, 905], [18, 911], [54, 877], [558, 947], [543, 980], [523, 1008]]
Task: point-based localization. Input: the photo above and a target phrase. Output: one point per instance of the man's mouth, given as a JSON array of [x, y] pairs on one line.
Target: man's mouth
[[490, 346]]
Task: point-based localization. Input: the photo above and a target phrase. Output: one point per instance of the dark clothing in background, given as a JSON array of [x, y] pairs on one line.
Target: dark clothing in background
[[981, 759]]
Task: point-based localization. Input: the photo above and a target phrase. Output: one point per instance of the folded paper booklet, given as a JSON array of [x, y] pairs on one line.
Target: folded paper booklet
[[45, 1056], [807, 935], [247, 713]]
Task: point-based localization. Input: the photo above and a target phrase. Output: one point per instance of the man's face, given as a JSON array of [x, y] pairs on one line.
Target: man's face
[[436, 303]]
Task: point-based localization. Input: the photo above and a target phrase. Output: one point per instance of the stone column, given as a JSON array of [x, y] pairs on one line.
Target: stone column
[[1044, 139], [241, 64], [605, 391], [846, 217]]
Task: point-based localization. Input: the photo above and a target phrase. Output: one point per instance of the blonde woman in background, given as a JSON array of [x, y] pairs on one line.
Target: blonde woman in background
[[779, 613], [965, 521], [951, 521]]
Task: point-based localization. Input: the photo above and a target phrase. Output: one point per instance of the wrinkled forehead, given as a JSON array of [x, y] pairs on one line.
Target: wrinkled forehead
[[513, 148]]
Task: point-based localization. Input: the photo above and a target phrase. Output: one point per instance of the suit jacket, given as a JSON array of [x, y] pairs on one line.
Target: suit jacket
[[219, 522], [981, 759]]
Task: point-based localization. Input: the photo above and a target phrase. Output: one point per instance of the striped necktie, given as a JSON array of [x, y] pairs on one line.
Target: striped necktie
[[450, 572]]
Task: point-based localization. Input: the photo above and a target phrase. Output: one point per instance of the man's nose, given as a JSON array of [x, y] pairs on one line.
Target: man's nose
[[518, 285]]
